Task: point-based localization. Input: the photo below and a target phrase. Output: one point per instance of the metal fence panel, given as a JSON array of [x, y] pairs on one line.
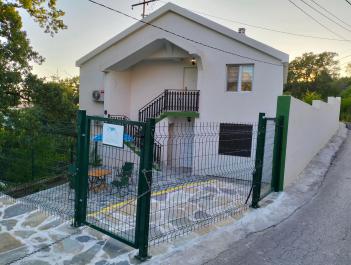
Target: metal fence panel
[[200, 180], [39, 170]]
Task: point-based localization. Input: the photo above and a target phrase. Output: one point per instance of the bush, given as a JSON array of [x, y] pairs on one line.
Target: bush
[[309, 96], [345, 112]]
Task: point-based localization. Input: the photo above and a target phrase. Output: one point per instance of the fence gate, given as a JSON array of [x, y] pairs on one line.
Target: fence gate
[[114, 178], [268, 152]]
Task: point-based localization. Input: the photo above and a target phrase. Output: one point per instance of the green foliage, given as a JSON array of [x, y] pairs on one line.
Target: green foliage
[[346, 93], [16, 53], [309, 96], [310, 66], [316, 76], [37, 142], [57, 99], [37, 117], [345, 114]]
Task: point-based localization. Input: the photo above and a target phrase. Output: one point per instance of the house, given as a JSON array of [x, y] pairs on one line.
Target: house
[[183, 68]]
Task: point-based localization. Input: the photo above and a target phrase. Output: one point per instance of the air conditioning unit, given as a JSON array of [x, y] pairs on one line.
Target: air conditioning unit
[[98, 95]]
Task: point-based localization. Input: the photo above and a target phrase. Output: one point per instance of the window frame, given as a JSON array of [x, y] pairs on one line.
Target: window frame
[[239, 88]]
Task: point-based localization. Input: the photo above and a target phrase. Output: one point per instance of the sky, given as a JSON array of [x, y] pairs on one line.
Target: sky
[[90, 25]]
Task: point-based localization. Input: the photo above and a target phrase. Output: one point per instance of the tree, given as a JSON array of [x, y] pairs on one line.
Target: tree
[[309, 66], [55, 100], [313, 72], [37, 142], [16, 53]]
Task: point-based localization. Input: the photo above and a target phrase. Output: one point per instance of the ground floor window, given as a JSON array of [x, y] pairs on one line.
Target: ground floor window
[[235, 139]]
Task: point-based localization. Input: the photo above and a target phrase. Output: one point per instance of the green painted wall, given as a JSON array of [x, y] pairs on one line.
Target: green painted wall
[[283, 110]]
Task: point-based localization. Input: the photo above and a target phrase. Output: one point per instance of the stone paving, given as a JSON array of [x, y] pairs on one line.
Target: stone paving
[[24, 230], [174, 211]]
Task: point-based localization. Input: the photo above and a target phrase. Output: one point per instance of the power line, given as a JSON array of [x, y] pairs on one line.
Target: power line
[[270, 29], [330, 13], [322, 14], [348, 2], [265, 28], [314, 19], [179, 35], [347, 56]]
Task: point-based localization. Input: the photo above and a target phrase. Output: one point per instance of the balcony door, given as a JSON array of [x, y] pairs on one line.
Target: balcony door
[[190, 78]]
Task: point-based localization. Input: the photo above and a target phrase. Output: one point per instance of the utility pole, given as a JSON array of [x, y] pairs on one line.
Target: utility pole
[[144, 3]]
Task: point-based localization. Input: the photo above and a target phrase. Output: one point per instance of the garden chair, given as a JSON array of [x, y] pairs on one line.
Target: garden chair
[[124, 175]]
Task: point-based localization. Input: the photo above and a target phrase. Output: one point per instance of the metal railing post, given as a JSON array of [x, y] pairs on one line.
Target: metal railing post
[[257, 175], [165, 101], [81, 181], [144, 191]]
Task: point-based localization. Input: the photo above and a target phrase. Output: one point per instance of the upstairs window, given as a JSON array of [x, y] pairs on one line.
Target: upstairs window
[[239, 77]]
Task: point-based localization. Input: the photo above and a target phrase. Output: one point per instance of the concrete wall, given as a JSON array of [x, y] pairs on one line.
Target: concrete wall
[[309, 130], [216, 104]]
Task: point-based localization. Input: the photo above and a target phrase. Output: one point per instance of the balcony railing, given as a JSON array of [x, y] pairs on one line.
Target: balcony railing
[[171, 101]]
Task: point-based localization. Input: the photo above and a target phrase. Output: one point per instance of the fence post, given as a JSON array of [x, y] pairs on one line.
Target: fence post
[[277, 152], [144, 191], [81, 178], [257, 176]]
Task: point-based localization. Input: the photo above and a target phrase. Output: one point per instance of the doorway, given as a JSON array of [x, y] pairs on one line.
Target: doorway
[[190, 78]]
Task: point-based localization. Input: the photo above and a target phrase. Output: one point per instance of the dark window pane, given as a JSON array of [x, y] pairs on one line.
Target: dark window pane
[[235, 139]]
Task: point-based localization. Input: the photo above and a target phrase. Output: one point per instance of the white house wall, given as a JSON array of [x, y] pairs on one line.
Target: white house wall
[[117, 92], [148, 80], [216, 104], [310, 128], [91, 78]]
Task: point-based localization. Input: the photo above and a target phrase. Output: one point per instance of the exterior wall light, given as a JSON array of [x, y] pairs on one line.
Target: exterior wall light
[[193, 61]]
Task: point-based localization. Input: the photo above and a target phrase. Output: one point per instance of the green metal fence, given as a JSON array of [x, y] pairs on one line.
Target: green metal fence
[[37, 166], [205, 172]]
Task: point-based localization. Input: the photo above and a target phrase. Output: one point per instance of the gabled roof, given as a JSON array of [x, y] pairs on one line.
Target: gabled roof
[[170, 7]]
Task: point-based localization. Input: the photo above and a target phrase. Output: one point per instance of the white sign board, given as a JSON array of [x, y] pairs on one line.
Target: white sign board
[[112, 134]]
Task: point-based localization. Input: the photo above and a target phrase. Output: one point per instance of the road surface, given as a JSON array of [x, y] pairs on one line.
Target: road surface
[[317, 234]]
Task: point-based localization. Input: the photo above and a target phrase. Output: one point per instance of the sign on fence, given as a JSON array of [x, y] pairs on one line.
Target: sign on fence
[[112, 134]]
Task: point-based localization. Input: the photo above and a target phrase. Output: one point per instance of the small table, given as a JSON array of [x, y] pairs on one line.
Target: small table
[[97, 179]]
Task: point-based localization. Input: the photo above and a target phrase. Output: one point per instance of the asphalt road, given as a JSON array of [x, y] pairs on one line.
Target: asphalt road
[[317, 234]]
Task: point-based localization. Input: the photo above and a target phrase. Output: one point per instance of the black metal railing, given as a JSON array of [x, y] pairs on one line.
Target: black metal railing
[[118, 117], [136, 137], [169, 101]]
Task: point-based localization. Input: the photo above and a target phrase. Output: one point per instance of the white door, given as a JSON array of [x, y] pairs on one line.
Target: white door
[[190, 78]]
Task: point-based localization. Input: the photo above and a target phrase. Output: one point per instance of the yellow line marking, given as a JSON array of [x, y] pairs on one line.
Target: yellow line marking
[[161, 192]]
